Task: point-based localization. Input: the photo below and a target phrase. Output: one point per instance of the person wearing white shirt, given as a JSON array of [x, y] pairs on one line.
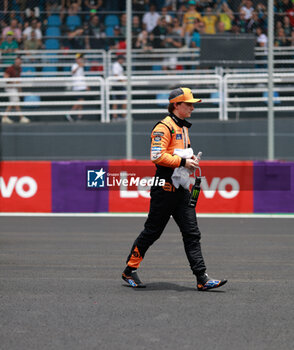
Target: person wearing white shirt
[[117, 68], [35, 26], [247, 8], [150, 19], [261, 37], [78, 84], [118, 72], [261, 41]]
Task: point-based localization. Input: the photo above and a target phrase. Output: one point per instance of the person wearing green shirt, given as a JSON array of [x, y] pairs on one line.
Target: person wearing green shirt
[[8, 48]]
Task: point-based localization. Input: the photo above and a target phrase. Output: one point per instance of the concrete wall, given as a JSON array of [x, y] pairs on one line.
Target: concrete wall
[[244, 139]]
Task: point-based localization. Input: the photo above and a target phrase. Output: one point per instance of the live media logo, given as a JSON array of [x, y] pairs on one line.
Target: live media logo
[[96, 178], [101, 179]]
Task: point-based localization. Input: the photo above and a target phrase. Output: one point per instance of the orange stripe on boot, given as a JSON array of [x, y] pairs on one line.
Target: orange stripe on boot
[[135, 259]]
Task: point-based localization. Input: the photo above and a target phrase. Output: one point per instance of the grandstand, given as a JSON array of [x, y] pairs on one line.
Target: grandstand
[[62, 29], [166, 52], [76, 115]]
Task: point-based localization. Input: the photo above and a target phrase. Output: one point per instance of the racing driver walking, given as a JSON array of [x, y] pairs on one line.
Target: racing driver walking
[[168, 137]]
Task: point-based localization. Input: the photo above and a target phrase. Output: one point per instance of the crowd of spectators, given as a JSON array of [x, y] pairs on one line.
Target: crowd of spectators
[[155, 23]]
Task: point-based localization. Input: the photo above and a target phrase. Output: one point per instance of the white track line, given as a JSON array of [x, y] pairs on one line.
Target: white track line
[[143, 215]]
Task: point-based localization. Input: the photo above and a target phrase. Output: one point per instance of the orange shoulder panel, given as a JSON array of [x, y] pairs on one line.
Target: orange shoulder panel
[[160, 141]]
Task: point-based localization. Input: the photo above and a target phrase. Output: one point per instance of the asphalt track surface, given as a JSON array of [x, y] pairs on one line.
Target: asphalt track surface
[[61, 287]]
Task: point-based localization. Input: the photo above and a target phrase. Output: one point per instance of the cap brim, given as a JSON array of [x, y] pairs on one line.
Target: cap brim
[[193, 100]]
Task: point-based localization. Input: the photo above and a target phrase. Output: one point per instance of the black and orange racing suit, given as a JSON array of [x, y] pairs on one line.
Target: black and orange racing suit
[[169, 134]]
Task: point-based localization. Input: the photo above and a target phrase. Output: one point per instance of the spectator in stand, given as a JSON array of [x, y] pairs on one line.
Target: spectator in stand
[[118, 72], [209, 19], [33, 43], [261, 38], [226, 16], [93, 5], [240, 22], [262, 13], [12, 15], [150, 19], [15, 28], [79, 85], [199, 29], [290, 14], [95, 34], [8, 48], [261, 41], [117, 42], [278, 26], [3, 24], [75, 39], [172, 39], [35, 26], [253, 23], [220, 28], [159, 33], [178, 28], [287, 27], [13, 71], [164, 13], [77, 5], [136, 30], [123, 24], [55, 7], [281, 39], [235, 28], [189, 19], [247, 8], [143, 41]]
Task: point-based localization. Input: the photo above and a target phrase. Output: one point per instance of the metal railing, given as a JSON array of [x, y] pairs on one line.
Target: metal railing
[[156, 62], [159, 61], [56, 63], [53, 97], [224, 96], [248, 93], [150, 93]]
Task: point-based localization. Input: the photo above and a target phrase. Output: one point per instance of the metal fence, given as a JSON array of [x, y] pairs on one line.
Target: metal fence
[[224, 96], [249, 93], [158, 61], [53, 98], [56, 62], [150, 93]]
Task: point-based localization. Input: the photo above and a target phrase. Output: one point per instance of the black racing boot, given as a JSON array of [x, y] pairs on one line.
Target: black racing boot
[[132, 278], [204, 282]]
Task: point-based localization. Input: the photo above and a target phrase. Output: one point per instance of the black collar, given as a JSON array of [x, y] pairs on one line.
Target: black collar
[[180, 122]]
